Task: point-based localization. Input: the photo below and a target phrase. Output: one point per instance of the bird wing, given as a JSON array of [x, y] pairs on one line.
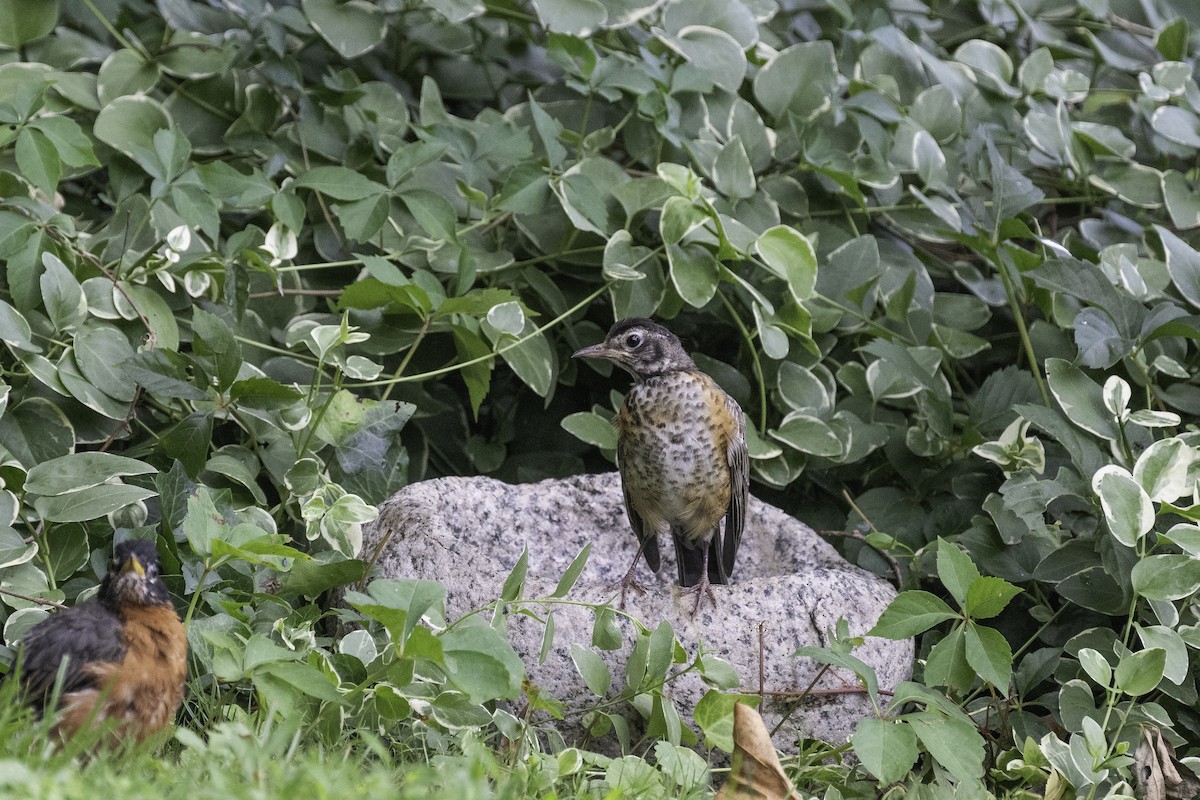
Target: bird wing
[[84, 635], [739, 486], [647, 541]]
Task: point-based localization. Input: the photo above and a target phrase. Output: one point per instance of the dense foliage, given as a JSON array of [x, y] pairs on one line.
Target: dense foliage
[[267, 263]]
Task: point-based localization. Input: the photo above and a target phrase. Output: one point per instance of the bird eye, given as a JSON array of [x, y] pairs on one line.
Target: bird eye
[[633, 340]]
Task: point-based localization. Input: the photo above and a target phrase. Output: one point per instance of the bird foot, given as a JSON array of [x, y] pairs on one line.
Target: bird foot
[[701, 590], [625, 584]]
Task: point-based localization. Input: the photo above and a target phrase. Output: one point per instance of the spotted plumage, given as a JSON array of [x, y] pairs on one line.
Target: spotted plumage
[[681, 451], [123, 654]]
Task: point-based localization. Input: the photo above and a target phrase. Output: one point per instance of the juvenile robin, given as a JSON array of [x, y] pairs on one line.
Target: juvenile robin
[[681, 451], [123, 654]]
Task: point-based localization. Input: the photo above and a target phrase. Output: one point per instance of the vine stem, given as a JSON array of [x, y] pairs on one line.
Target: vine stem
[[758, 370], [187, 618], [499, 351], [1010, 291], [407, 357]]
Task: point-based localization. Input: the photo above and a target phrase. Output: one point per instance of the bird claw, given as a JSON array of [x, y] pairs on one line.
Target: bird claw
[[625, 585], [701, 589]]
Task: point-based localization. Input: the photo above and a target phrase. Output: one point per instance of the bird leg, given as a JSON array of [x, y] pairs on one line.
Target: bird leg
[[629, 582], [702, 587]]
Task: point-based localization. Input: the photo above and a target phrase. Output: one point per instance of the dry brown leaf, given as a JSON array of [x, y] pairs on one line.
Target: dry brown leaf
[[1158, 776], [756, 773]]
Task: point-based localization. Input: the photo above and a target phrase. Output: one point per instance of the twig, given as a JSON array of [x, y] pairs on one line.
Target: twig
[[816, 692], [302, 292], [41, 601], [801, 695], [762, 680], [888, 557], [112, 437]]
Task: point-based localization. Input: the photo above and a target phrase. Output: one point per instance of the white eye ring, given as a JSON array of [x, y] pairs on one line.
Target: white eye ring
[[633, 340]]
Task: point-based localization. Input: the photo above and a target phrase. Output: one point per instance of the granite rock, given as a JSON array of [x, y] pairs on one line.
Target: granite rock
[[789, 589]]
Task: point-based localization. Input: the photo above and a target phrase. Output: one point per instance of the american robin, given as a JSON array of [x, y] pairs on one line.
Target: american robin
[[122, 655], [681, 450]]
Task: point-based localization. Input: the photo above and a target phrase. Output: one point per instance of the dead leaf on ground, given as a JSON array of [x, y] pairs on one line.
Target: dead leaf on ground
[[1158, 771], [756, 773]]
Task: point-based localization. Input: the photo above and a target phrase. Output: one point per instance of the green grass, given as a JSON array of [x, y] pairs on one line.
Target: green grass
[[253, 759]]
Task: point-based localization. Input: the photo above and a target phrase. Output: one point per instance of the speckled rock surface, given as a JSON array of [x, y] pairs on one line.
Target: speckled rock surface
[[469, 532]]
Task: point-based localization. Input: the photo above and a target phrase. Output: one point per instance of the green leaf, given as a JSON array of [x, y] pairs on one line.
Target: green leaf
[[912, 612], [1140, 673], [1178, 661], [38, 160], [14, 549], [593, 428], [715, 714], [1163, 468], [82, 505], [35, 431], [478, 376], [790, 255], [515, 581], [1166, 577], [481, 663], [990, 655], [695, 272], [576, 17], [778, 90], [718, 56], [1183, 202], [954, 743], [956, 570], [312, 577], [65, 550], [339, 183], [988, 596], [128, 125], [592, 669], [732, 173], [572, 572], [1127, 508], [81, 471], [533, 360], [263, 393], [203, 522], [808, 435], [62, 295], [352, 27], [399, 605], [947, 665], [605, 633], [862, 670], [100, 351], [23, 21], [548, 130], [1183, 265], [887, 748], [1095, 665], [123, 73], [15, 331], [1080, 398]]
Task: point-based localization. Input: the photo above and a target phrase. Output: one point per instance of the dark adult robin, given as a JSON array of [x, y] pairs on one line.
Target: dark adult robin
[[125, 654], [681, 450]]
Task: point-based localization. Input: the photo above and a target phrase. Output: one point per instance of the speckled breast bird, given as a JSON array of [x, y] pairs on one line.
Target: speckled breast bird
[[125, 652], [681, 451]]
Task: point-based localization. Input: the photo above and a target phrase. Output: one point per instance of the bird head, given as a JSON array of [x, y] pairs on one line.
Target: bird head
[[641, 347], [133, 577]]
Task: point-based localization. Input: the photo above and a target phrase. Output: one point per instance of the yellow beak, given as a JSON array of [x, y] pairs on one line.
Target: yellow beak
[[133, 565]]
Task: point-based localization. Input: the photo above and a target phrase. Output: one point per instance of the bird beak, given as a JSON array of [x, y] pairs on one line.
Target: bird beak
[[134, 566], [595, 351]]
